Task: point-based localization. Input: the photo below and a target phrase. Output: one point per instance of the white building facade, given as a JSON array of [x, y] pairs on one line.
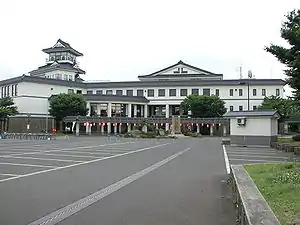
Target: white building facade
[[155, 95]]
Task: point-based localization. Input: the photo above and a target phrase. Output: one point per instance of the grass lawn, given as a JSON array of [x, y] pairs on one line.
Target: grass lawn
[[289, 141], [280, 186]]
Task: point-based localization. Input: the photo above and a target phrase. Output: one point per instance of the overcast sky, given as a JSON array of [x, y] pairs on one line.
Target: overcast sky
[[123, 39]]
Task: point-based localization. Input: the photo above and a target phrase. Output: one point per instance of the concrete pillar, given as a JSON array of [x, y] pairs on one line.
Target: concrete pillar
[[157, 126], [224, 130], [167, 126], [87, 128], [145, 111], [115, 128], [102, 129], [198, 129], [90, 129], [129, 110], [120, 128], [142, 111], [211, 130], [109, 109], [88, 105], [134, 110], [129, 127], [77, 129], [98, 110], [167, 110], [108, 128]]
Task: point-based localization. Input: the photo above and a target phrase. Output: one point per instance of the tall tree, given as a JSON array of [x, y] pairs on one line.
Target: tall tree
[[286, 107], [70, 104], [204, 106], [7, 108], [290, 56]]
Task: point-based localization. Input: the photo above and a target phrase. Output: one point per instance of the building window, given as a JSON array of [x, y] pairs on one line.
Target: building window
[[2, 92], [99, 92], [16, 89], [217, 92], [195, 91], [254, 107], [150, 92], [65, 77], [7, 89], [109, 92], [140, 92], [240, 108], [172, 92], [240, 92], [183, 92], [161, 93], [254, 92], [129, 92], [231, 108], [206, 91], [70, 77], [12, 90], [277, 92], [231, 92], [119, 92], [89, 92], [79, 91], [70, 90], [263, 92]]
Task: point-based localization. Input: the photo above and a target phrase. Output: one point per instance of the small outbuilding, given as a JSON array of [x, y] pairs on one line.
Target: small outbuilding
[[253, 128]]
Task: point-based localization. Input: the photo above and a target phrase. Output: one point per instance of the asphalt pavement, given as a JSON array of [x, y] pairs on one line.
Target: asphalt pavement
[[99, 180]]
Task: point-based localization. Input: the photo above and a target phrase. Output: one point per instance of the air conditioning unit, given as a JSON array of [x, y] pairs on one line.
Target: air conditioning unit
[[241, 121]]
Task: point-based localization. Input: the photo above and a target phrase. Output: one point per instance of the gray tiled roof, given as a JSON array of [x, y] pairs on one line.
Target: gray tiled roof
[[49, 67], [142, 84], [115, 98], [255, 113]]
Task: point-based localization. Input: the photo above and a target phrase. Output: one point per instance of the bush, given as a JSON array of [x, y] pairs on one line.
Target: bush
[[296, 138]]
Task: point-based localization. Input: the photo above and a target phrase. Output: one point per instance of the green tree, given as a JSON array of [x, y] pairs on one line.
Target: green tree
[[70, 104], [7, 108], [290, 56], [204, 106], [286, 107]]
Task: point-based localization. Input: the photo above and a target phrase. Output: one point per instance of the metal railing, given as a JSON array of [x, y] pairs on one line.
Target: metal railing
[[25, 136]]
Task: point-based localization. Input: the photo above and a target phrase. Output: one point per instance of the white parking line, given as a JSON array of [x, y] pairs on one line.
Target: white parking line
[[89, 153], [58, 160], [9, 174], [257, 160], [252, 152], [255, 156], [70, 155], [26, 165], [83, 163]]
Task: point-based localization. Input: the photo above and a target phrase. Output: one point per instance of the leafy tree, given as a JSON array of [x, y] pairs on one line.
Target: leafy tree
[[290, 56], [7, 108], [204, 106], [70, 104], [286, 107]]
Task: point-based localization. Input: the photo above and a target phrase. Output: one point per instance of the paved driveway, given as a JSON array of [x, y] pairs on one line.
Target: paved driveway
[[113, 181]]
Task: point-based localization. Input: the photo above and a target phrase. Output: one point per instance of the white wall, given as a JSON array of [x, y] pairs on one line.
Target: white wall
[[254, 127], [31, 105], [274, 127]]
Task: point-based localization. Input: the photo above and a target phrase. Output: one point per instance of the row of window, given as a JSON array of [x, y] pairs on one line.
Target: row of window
[[254, 92], [241, 108], [60, 76], [161, 92], [9, 90]]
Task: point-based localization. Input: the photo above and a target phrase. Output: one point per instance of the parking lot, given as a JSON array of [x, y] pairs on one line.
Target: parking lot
[[25, 158], [252, 155]]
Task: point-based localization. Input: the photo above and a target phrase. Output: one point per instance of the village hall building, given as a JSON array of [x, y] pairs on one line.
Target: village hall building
[[155, 95]]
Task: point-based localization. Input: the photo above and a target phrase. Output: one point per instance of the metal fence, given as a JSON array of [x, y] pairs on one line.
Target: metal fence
[[25, 136]]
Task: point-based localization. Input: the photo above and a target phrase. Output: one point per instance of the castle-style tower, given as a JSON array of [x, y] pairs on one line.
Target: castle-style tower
[[61, 63]]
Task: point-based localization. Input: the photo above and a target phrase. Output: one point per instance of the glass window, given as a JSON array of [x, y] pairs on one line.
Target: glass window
[[240, 108], [7, 89], [231, 108], [140, 92], [79, 91], [150, 92], [70, 90], [2, 92], [183, 92], [161, 92], [66, 76], [231, 92], [206, 91], [119, 92], [195, 91], [89, 92], [12, 90], [254, 107], [16, 90], [129, 92], [240, 92], [254, 92], [109, 92], [70, 77], [172, 92], [277, 92], [217, 92], [99, 92], [263, 92]]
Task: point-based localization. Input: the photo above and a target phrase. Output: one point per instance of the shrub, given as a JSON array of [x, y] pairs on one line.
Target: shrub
[[296, 138]]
